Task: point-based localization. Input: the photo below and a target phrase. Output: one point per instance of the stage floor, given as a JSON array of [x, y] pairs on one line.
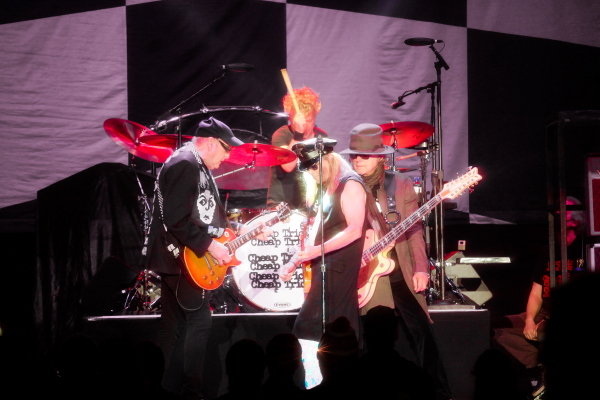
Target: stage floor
[[462, 336]]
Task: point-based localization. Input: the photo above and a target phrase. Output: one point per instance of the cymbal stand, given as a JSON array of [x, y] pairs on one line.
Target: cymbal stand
[[395, 147], [250, 165]]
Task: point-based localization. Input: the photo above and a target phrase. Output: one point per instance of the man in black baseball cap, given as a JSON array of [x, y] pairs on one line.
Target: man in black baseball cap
[[187, 213]]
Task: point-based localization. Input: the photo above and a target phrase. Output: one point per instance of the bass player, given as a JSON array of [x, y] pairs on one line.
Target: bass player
[[403, 290]]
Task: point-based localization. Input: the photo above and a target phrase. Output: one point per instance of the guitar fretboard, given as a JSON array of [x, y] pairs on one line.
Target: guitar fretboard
[[395, 233], [248, 236]]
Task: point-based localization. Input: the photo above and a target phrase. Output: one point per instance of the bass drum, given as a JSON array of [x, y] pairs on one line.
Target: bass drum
[[257, 277]]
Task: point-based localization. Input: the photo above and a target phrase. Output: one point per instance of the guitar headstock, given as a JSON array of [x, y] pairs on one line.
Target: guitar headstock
[[456, 187], [283, 212]]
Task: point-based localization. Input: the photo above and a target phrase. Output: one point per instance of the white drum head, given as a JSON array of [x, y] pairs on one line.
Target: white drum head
[[257, 276]]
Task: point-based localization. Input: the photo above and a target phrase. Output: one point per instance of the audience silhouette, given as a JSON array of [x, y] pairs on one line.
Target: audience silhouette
[[284, 358], [570, 352], [387, 375], [245, 366], [118, 370], [338, 361]]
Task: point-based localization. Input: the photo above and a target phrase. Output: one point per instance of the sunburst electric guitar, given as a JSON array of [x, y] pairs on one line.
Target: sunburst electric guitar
[[376, 264], [205, 272]]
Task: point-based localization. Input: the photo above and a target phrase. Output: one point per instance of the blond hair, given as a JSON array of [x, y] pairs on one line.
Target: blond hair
[[337, 166], [308, 102]]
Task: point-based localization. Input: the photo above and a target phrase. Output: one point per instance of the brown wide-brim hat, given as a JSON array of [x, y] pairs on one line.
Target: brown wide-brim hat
[[367, 139], [308, 153]]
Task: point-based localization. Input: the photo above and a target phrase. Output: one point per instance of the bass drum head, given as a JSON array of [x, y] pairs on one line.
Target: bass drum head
[[257, 277]]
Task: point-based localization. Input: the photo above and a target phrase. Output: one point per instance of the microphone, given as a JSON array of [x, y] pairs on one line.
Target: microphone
[[419, 41], [398, 104], [238, 67]]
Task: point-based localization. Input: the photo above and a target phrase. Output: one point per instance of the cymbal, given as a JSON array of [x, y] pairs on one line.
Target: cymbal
[[168, 141], [408, 133], [266, 155], [126, 134]]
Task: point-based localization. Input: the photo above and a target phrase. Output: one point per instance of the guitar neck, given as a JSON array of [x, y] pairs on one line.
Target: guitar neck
[[248, 236], [395, 233]]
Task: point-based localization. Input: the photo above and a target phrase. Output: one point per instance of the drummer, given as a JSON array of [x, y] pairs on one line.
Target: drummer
[[286, 181]]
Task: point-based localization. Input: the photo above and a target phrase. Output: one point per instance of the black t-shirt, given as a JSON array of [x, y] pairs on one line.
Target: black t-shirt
[[541, 270], [287, 187]]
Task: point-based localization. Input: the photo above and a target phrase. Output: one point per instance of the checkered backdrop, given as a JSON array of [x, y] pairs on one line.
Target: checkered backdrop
[[66, 66]]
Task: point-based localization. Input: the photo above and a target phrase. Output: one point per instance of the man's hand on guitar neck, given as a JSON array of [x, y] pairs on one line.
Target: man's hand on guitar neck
[[219, 252]]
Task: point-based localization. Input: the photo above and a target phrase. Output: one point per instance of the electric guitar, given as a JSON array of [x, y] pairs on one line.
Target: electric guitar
[[205, 272], [375, 264]]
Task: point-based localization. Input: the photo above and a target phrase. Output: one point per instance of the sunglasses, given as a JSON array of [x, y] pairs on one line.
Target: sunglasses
[[224, 145], [314, 167], [365, 156]]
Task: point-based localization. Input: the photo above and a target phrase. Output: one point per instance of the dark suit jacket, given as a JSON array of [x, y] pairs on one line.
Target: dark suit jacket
[[178, 181]]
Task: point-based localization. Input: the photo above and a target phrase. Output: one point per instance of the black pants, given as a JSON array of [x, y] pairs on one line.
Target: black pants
[[183, 336], [420, 336]]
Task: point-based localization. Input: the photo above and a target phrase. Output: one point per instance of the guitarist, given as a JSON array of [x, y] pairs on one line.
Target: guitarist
[[187, 212], [403, 289]]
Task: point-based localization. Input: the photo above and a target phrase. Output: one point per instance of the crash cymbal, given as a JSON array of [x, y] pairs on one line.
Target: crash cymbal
[[408, 133], [167, 141], [127, 134], [266, 155]]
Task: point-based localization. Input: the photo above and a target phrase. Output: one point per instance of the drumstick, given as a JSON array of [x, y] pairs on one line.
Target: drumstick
[[288, 84]]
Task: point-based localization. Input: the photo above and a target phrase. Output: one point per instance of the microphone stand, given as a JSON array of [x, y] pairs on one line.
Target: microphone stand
[[320, 148], [439, 172], [160, 123]]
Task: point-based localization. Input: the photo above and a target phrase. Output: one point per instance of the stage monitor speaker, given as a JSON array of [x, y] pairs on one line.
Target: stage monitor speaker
[[592, 194]]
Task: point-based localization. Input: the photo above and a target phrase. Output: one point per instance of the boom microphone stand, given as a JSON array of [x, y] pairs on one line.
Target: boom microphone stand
[[440, 178], [437, 173], [161, 122]]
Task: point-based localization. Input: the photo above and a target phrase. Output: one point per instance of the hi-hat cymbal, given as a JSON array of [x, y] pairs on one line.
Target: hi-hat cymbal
[[407, 133], [266, 155], [127, 134]]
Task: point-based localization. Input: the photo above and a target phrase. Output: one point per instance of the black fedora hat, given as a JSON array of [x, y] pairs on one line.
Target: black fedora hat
[[308, 154], [367, 139]]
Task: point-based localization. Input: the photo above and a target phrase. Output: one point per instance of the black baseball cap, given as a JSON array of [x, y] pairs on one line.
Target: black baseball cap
[[214, 128]]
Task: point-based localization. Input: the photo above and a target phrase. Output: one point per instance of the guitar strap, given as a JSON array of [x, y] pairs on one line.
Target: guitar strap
[[389, 184]]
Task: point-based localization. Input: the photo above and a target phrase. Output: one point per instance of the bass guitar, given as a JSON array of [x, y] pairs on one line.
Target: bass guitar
[[376, 264], [205, 272]]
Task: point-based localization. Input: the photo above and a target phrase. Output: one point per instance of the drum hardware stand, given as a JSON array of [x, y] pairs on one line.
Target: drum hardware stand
[[141, 283], [449, 281], [250, 165]]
